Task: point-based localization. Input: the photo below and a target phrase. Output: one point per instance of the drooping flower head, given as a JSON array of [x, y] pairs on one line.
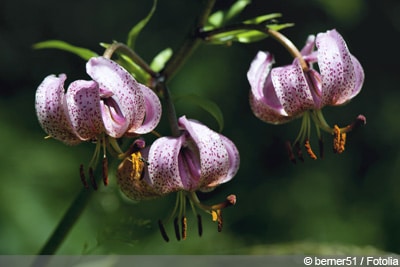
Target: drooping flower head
[[197, 160], [280, 94], [109, 106]]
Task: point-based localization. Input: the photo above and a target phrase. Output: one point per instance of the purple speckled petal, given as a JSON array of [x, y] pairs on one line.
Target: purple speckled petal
[[234, 162], [336, 67], [126, 93], [82, 101], [359, 71], [214, 158], [309, 46], [163, 164], [263, 99], [50, 110], [292, 89], [153, 112], [189, 166]]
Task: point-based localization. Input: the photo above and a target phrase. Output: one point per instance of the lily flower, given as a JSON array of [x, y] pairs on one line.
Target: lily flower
[[197, 160], [109, 106], [281, 94]]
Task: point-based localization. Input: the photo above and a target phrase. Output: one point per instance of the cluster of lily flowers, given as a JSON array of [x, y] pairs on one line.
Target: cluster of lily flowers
[[113, 105]]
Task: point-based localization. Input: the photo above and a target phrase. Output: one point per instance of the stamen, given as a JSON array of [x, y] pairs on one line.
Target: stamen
[[176, 228], [105, 171], [309, 150], [290, 152], [219, 213], [199, 225], [184, 227], [162, 231], [137, 165], [339, 140], [83, 178], [92, 178]]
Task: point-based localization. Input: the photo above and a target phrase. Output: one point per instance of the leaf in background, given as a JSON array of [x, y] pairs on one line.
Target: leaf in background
[[160, 59], [244, 35], [134, 32], [219, 18], [236, 9], [206, 104], [263, 18], [84, 53]]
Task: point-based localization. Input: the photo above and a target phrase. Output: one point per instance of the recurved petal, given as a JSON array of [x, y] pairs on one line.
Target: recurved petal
[[153, 112], [337, 69], [163, 165], [263, 99], [359, 72], [50, 111], [234, 162], [214, 158], [126, 91], [82, 101], [262, 110], [309, 46], [292, 89]]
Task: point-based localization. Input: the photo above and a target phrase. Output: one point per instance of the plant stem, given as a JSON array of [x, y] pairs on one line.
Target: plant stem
[[69, 219], [126, 50], [189, 45]]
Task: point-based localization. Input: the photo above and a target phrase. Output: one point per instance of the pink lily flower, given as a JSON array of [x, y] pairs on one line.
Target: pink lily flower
[[281, 94], [113, 103], [198, 160]]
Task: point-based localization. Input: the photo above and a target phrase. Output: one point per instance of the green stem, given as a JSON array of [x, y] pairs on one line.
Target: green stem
[[169, 108], [69, 219], [126, 50], [189, 45]]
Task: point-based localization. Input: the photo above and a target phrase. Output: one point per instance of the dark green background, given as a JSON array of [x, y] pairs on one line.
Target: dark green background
[[347, 202]]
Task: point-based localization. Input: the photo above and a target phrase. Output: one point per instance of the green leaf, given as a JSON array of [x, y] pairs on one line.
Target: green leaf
[[236, 9], [134, 32], [209, 106], [160, 59], [84, 53], [263, 18], [244, 36], [219, 18]]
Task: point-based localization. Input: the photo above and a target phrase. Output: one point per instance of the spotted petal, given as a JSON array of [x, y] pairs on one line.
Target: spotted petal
[[234, 162], [214, 158], [292, 89], [82, 101], [263, 99], [342, 75], [153, 112], [50, 110], [127, 97], [163, 165]]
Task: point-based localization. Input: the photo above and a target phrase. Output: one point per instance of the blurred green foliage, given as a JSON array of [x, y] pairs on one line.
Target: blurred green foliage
[[347, 202]]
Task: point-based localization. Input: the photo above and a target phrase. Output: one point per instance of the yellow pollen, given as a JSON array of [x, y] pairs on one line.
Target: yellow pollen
[[339, 140], [137, 165], [184, 227], [310, 152], [214, 215]]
